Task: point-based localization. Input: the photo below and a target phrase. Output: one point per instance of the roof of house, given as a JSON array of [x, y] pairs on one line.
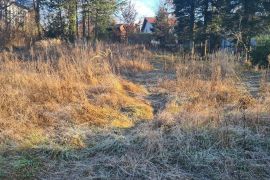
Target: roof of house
[[153, 20]]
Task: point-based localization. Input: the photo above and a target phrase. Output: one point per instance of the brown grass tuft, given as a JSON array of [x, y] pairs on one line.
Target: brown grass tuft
[[76, 88], [134, 66]]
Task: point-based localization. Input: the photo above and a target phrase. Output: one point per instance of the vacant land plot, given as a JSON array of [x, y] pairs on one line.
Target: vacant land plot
[[123, 112]]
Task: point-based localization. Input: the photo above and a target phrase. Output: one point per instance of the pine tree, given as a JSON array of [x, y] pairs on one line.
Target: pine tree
[[208, 21], [164, 27], [56, 18], [72, 19], [101, 12], [211, 17], [185, 11], [244, 20]]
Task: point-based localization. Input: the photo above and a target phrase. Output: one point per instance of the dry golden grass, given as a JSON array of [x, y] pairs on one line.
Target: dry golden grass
[[134, 66], [76, 88], [43, 44], [211, 127], [205, 88]]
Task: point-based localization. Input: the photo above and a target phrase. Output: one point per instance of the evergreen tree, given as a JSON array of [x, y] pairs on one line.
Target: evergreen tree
[[63, 17], [55, 19], [164, 27], [101, 12], [185, 11], [244, 20], [72, 19], [208, 21], [211, 17]]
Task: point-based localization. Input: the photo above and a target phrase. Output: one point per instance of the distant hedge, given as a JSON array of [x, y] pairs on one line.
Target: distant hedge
[[140, 38], [261, 52]]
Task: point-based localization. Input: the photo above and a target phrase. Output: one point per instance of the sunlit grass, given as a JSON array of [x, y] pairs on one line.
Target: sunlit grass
[[72, 113]]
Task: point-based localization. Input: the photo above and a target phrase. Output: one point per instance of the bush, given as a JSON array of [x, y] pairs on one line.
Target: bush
[[262, 51]]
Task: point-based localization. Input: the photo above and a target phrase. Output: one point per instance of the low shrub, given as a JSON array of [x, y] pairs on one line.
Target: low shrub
[[260, 55]]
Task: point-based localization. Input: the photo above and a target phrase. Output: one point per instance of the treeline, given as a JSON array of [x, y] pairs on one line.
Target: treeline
[[207, 22], [200, 25], [71, 18]]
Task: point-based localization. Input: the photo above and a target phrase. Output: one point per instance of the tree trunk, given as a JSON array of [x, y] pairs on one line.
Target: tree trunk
[[83, 22], [193, 50], [88, 26], [206, 20], [205, 47], [192, 27], [77, 21], [96, 27], [36, 5], [72, 20]]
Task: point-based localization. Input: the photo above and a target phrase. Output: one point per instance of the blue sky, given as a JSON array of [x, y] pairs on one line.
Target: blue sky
[[146, 8]]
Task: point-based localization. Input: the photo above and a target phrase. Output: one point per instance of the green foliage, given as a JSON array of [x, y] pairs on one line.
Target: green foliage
[[185, 12], [101, 12], [212, 20], [26, 167], [72, 18], [261, 53], [62, 18], [164, 27], [247, 20], [19, 167], [56, 25]]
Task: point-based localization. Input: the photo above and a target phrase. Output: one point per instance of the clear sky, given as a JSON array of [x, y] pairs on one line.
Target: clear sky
[[146, 8]]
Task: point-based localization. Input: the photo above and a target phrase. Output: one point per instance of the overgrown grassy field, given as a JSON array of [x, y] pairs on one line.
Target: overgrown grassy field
[[123, 112]]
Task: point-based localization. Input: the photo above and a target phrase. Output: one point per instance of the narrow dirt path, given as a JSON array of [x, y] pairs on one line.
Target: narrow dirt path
[[252, 82], [150, 81], [106, 139], [97, 156]]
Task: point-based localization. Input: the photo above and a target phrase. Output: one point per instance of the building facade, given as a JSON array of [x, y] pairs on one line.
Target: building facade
[[148, 25], [13, 14]]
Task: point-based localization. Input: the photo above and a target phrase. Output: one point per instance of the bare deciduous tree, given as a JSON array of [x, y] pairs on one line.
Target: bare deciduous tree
[[128, 13]]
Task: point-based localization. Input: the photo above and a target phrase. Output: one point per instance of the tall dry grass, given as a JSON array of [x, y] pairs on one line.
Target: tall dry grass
[[57, 86], [211, 127]]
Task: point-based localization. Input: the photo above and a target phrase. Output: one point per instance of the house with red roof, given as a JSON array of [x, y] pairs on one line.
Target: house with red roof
[[148, 24]]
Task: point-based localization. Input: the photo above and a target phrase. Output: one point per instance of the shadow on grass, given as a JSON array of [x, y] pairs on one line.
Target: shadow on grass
[[170, 151]]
